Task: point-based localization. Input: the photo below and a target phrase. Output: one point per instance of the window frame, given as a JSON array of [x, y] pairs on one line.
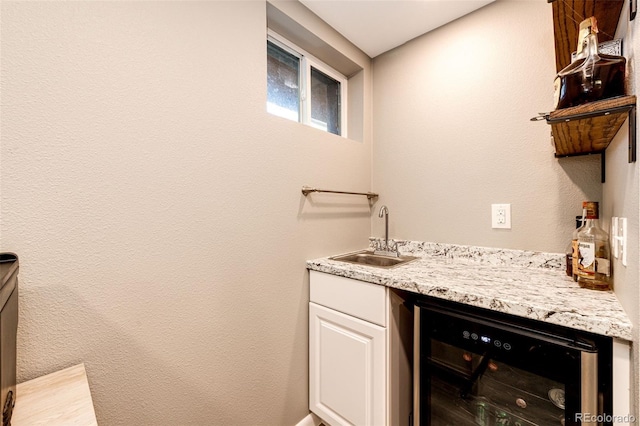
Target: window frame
[[307, 61]]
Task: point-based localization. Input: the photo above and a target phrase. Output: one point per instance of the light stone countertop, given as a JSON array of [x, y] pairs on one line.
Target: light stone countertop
[[522, 283]]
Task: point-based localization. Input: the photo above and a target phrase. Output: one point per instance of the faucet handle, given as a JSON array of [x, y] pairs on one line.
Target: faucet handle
[[389, 248], [394, 246], [398, 244], [379, 245]]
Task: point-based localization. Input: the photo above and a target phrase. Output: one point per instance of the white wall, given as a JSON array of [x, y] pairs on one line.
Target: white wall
[[621, 194], [452, 134], [156, 207], [620, 199]]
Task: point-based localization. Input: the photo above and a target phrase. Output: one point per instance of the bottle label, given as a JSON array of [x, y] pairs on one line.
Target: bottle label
[[603, 266], [575, 255], [556, 92], [587, 257]]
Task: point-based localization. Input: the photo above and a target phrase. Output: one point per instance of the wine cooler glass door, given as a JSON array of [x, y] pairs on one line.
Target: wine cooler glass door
[[470, 371]]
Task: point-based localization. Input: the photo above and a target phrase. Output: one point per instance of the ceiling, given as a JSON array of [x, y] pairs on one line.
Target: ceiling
[[376, 26]]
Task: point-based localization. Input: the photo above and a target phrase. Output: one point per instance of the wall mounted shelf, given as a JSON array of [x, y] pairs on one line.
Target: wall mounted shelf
[[590, 128]]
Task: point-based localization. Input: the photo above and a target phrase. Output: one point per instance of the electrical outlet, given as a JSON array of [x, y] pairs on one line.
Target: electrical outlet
[[622, 235], [619, 238], [614, 237], [501, 216]]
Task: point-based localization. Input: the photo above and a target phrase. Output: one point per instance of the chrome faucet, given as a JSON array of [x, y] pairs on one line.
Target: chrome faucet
[[386, 249], [384, 211]]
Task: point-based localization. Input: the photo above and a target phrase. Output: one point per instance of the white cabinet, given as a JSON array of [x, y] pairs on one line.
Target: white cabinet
[[347, 351], [347, 368], [359, 353]]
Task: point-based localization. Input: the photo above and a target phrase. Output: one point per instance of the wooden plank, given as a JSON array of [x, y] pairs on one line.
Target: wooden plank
[[567, 15], [60, 398], [604, 104], [588, 135]]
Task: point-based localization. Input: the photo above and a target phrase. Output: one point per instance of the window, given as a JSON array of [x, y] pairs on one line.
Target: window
[[283, 82], [303, 89], [325, 102]]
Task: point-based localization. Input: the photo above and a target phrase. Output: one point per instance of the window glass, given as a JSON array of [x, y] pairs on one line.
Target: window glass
[[283, 82], [301, 88], [325, 102]]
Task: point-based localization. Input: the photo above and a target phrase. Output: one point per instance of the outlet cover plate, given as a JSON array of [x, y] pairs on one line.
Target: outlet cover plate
[[501, 216], [622, 239]]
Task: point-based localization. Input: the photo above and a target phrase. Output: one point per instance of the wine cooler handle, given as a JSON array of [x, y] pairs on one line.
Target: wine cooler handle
[[589, 387], [416, 365]]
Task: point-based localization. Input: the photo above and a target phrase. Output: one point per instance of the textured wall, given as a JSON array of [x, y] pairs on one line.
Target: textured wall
[[156, 208], [452, 134], [621, 198], [621, 192]]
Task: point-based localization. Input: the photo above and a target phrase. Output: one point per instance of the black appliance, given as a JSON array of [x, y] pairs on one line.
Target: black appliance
[[477, 367], [8, 333]]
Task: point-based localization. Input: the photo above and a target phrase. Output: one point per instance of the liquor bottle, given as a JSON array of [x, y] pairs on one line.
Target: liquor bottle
[[571, 253], [568, 254], [592, 76], [594, 263]]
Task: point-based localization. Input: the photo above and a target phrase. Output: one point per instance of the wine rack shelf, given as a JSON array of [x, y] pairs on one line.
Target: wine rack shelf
[[590, 128]]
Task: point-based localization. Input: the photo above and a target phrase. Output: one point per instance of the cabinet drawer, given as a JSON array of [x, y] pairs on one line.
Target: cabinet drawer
[[357, 298]]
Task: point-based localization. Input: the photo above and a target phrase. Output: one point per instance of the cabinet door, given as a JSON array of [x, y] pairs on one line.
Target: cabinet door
[[346, 368]]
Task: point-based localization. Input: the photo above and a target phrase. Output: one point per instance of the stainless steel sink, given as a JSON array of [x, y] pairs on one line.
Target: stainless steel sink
[[366, 257]]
